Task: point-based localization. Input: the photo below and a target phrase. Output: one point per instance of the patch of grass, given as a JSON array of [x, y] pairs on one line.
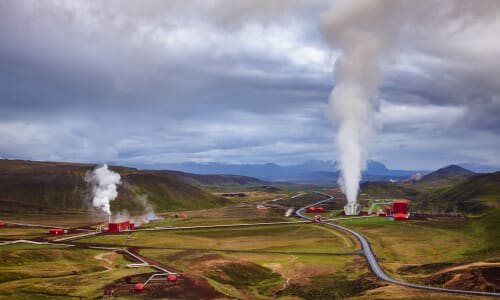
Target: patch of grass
[[295, 237], [430, 242], [331, 286], [28, 246], [375, 220], [22, 232], [248, 276], [199, 221], [57, 273]]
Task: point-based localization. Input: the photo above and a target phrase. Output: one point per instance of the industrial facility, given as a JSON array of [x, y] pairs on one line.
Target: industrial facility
[[398, 209], [120, 226]]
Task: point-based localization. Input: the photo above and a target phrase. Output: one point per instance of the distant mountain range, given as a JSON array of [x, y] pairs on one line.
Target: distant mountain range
[[313, 171]]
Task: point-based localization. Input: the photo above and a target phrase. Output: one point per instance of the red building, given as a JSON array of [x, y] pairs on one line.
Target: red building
[[311, 209], [400, 206], [320, 209], [121, 226], [57, 231], [400, 210]]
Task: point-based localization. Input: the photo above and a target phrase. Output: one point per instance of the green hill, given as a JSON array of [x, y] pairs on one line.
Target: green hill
[[214, 180], [445, 176], [42, 187], [474, 195], [449, 189]]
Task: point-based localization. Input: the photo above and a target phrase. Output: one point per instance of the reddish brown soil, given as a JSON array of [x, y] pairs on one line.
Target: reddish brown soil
[[187, 286], [474, 279], [486, 280]]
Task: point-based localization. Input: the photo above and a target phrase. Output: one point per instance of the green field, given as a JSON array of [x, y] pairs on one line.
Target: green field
[[46, 272], [22, 232], [261, 275], [296, 237], [199, 221], [426, 242]]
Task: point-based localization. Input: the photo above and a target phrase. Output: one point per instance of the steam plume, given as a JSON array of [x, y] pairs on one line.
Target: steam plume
[[145, 217], [104, 183], [359, 29]]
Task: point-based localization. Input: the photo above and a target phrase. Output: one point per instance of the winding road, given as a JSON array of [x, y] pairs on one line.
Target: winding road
[[372, 260]]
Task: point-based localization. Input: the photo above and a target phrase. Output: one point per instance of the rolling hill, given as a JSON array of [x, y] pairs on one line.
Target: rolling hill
[[48, 187], [214, 180], [451, 173], [476, 194], [447, 189]]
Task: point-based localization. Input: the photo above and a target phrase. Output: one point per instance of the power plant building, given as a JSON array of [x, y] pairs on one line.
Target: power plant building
[[400, 208]]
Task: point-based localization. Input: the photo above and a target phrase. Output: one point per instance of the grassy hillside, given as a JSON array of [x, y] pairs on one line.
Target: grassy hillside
[[446, 192], [443, 178], [474, 195], [41, 187], [214, 180]]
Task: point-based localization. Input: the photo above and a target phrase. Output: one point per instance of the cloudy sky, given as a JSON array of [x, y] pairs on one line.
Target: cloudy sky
[[240, 82]]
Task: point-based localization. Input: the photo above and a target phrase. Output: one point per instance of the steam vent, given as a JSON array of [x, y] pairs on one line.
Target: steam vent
[[351, 209]]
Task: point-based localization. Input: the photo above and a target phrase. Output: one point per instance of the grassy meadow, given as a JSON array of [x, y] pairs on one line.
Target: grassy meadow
[[50, 272], [296, 237]]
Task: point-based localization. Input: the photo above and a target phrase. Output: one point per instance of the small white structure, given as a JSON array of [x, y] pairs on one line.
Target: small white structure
[[351, 209]]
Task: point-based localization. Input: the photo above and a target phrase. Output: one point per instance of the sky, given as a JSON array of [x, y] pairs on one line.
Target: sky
[[150, 82]]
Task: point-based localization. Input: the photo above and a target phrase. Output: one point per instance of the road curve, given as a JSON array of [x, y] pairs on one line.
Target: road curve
[[372, 260]]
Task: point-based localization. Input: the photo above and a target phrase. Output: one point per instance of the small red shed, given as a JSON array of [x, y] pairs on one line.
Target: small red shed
[[320, 209], [311, 209], [57, 231], [2, 224]]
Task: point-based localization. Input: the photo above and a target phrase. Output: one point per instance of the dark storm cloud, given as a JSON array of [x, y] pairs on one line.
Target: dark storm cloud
[[239, 81]]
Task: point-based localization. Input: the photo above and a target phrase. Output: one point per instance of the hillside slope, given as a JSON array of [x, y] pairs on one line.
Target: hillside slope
[[474, 195], [214, 180], [449, 174], [61, 187], [445, 190]]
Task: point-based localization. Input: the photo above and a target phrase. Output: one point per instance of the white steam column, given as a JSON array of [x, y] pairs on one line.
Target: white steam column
[[357, 28], [104, 188]]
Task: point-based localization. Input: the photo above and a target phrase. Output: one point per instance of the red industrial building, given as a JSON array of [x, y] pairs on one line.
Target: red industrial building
[[121, 226], [315, 209], [400, 210], [57, 231]]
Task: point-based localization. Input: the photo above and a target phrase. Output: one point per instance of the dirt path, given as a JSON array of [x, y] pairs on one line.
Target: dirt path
[[106, 262], [467, 266]]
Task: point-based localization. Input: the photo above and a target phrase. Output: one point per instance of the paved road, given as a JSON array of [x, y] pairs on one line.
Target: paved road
[[372, 260]]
